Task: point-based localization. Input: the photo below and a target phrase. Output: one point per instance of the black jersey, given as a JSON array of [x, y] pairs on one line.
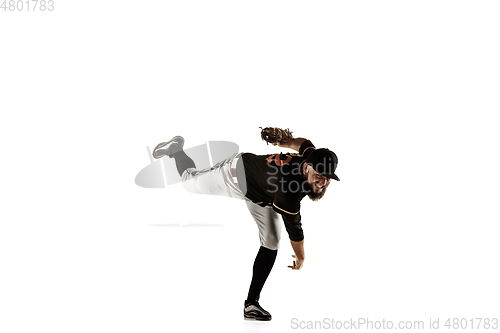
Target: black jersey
[[276, 180]]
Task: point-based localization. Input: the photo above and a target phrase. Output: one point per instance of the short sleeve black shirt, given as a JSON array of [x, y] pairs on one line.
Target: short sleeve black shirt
[[276, 180]]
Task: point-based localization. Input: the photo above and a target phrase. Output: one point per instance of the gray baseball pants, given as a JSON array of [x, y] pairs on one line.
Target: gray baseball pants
[[221, 180]]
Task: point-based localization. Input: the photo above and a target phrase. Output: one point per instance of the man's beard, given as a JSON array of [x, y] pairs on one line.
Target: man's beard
[[311, 194]]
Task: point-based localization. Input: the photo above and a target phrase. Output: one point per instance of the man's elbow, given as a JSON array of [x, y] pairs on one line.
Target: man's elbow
[[297, 240]]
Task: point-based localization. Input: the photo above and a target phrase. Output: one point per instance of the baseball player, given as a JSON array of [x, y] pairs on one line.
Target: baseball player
[[272, 186]]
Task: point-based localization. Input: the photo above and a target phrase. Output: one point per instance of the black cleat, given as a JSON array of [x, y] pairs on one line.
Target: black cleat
[[253, 310], [169, 148]]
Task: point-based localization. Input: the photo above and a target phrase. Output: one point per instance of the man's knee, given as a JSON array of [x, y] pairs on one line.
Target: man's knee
[[271, 244], [271, 238]]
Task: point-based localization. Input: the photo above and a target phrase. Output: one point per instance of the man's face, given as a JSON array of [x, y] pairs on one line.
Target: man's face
[[315, 185]]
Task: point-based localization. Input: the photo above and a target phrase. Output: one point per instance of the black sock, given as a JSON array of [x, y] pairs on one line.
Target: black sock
[[183, 162], [261, 268]]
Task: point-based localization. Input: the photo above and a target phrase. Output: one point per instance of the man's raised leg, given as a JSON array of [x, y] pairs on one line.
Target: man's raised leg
[[173, 148]]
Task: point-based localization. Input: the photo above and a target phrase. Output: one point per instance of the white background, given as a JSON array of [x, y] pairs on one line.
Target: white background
[[406, 93]]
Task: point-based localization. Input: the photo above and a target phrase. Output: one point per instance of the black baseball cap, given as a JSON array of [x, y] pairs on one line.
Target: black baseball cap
[[324, 162]]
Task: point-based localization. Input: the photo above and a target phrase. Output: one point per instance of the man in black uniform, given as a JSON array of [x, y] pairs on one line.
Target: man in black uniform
[[272, 185]]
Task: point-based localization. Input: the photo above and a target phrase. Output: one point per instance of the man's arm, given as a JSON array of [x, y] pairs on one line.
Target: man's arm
[[294, 229], [293, 144], [298, 248]]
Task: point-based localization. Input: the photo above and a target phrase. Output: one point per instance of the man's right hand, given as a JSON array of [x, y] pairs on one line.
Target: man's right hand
[[298, 248], [297, 263]]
